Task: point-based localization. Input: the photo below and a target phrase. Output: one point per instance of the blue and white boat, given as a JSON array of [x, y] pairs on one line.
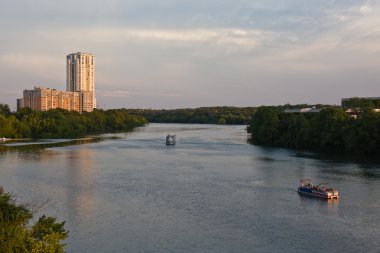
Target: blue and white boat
[[318, 191]]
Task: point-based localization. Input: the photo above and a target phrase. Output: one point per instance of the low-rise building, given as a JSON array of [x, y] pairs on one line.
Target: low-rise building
[[303, 110], [44, 99]]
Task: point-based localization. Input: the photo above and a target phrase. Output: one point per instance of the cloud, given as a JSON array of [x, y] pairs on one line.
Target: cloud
[[123, 93], [365, 9], [43, 65], [119, 93], [179, 51], [220, 38]]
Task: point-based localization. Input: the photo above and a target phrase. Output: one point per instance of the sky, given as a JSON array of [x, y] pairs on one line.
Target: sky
[[185, 53]]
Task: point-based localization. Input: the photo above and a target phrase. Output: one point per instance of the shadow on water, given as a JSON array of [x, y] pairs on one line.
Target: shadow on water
[[341, 158], [33, 147], [338, 164], [344, 164], [359, 170]]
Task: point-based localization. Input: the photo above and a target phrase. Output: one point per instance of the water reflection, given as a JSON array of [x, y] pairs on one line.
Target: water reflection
[[343, 159], [36, 150], [210, 193], [350, 170], [82, 176], [307, 202]]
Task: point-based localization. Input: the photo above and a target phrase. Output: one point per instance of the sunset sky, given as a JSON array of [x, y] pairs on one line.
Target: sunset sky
[[187, 53]]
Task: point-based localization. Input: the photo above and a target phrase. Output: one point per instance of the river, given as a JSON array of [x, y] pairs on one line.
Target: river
[[212, 192]]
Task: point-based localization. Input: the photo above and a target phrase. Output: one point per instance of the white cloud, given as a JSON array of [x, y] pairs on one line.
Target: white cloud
[[222, 38], [123, 93], [365, 9], [238, 37]]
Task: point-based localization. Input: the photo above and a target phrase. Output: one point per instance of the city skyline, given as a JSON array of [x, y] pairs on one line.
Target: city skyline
[[80, 86], [174, 54]]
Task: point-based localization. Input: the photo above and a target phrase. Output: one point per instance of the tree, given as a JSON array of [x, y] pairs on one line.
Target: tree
[[4, 109], [22, 112], [35, 123], [264, 126], [16, 235], [10, 127], [330, 130]]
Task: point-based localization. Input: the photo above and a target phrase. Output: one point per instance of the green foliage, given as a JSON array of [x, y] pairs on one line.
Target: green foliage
[[266, 126], [61, 123], [17, 236], [204, 115], [331, 130], [4, 110], [11, 127], [22, 112], [360, 104]]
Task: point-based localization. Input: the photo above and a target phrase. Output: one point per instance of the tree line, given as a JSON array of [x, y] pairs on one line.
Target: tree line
[[356, 103], [203, 115], [330, 130], [59, 123]]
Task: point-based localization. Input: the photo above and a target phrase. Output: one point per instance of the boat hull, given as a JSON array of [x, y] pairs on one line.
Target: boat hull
[[171, 139], [317, 194]]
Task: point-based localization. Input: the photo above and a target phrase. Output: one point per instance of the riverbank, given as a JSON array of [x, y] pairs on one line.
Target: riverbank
[[5, 140], [58, 123], [331, 130]]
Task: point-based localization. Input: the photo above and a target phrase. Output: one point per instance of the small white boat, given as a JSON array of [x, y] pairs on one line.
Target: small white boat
[[171, 139]]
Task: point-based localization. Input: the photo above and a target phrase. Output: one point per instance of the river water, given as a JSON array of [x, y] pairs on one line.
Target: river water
[[212, 192]]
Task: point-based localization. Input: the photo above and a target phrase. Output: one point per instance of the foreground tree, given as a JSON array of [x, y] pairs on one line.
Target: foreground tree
[[16, 235]]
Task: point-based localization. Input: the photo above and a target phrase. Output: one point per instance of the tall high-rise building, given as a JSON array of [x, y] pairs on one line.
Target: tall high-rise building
[[80, 77]]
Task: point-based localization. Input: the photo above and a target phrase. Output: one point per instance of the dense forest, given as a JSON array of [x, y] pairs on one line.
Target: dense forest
[[358, 103], [204, 115], [20, 233], [59, 123], [331, 130]]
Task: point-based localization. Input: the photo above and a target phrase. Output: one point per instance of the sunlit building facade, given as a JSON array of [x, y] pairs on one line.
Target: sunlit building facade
[[80, 88], [80, 77], [44, 99]]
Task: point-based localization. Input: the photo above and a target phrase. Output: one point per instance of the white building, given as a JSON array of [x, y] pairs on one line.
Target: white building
[[80, 77], [303, 110]]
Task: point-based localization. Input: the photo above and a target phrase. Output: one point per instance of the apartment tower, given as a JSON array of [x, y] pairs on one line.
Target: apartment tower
[[80, 77]]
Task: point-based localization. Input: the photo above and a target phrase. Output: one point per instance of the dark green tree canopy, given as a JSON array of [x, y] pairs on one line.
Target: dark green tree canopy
[[203, 115], [16, 235], [59, 123], [330, 130]]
